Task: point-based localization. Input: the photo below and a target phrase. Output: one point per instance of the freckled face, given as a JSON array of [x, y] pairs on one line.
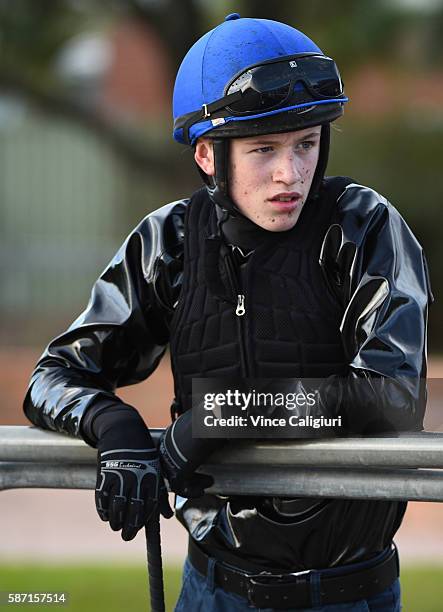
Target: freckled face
[[271, 175]]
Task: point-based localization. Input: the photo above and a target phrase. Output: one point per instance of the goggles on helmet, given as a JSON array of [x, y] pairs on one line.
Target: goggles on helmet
[[280, 83], [284, 83]]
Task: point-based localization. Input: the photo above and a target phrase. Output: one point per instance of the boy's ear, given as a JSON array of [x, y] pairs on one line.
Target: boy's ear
[[204, 156]]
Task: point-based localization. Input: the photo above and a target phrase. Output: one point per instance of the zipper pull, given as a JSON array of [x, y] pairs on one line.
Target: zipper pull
[[240, 310]]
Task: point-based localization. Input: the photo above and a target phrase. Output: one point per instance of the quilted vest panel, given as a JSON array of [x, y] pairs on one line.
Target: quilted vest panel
[[291, 324]]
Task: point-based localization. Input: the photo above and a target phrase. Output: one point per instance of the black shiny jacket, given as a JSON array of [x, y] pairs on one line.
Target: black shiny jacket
[[376, 268], [370, 259]]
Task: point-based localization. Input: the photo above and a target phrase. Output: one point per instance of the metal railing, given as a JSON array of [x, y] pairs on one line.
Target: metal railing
[[407, 467]]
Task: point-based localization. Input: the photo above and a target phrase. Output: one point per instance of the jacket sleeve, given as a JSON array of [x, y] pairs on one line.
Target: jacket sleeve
[[376, 267], [121, 336]]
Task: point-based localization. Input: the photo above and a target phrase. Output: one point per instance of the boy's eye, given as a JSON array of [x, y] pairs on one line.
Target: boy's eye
[[265, 149], [306, 144]]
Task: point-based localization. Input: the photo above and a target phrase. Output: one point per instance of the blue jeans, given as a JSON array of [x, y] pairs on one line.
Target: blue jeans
[[199, 594]]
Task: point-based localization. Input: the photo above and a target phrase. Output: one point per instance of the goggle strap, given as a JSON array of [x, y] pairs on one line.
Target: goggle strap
[[186, 121]]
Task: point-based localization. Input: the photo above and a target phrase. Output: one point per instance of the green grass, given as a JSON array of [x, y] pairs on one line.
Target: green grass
[[422, 588], [113, 588]]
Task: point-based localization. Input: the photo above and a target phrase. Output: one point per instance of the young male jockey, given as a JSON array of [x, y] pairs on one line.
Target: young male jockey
[[270, 270]]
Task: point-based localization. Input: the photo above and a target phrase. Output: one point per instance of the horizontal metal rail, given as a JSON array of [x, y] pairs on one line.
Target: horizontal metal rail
[[408, 467]]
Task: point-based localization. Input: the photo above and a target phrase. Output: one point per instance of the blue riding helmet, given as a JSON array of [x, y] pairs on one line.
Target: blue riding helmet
[[254, 76]]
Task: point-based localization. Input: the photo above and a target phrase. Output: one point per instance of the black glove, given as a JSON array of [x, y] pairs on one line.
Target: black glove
[[130, 485], [181, 455]]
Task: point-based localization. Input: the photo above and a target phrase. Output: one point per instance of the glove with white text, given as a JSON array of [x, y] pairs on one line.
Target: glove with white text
[[130, 484]]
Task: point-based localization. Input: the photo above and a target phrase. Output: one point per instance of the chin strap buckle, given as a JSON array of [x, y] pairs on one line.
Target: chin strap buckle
[[206, 113]]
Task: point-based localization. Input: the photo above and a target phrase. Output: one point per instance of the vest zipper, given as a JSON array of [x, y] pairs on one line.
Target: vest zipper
[[240, 311]]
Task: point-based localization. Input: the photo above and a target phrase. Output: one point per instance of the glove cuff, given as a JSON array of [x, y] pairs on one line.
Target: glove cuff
[[121, 426], [169, 468], [182, 450]]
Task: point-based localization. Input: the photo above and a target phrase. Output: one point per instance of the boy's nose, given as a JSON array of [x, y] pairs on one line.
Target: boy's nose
[[286, 170]]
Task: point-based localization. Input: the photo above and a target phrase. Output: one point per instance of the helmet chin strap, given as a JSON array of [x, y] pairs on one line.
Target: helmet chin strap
[[218, 189]]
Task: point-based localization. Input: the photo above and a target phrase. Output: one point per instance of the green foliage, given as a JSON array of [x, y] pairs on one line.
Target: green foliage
[[355, 32], [115, 588], [32, 33]]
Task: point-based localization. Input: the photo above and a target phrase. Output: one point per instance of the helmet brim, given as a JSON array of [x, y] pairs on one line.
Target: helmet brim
[[287, 121]]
